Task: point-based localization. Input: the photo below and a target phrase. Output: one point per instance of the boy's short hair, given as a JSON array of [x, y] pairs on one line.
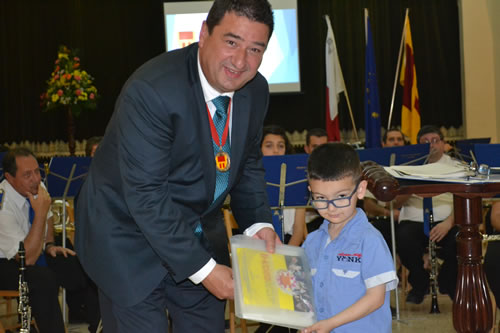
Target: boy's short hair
[[334, 161]]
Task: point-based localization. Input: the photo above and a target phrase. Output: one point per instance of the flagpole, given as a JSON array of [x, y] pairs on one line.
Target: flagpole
[[397, 68], [356, 138], [366, 28], [350, 111]]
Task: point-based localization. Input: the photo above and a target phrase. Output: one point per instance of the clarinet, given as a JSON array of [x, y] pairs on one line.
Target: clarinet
[[23, 307], [434, 269]]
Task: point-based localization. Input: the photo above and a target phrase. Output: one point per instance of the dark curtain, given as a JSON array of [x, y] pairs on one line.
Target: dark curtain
[[114, 38]]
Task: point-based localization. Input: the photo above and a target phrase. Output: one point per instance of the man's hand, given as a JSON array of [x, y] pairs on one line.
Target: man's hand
[[54, 250], [396, 214], [439, 231], [220, 282], [41, 204], [270, 237]]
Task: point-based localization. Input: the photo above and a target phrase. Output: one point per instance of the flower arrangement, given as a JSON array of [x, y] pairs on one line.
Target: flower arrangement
[[69, 86]]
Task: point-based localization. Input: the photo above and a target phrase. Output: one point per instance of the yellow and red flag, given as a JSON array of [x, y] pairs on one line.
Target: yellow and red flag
[[410, 112]]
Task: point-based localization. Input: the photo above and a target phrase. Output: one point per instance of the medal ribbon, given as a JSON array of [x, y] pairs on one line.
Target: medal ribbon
[[213, 130]]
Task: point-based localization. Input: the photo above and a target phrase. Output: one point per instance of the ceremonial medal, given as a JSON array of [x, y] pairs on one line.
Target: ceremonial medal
[[222, 161]]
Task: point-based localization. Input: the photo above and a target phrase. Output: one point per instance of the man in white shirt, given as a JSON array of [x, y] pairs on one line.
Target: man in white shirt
[[378, 212], [410, 238], [25, 216]]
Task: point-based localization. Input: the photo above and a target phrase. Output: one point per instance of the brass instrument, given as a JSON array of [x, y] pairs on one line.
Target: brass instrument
[[434, 270], [491, 238], [23, 308], [62, 215]]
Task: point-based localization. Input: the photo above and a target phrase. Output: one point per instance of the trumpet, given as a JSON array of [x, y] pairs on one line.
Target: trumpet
[[23, 307]]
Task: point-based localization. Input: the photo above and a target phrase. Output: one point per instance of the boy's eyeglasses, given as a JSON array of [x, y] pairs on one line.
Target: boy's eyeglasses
[[337, 203]]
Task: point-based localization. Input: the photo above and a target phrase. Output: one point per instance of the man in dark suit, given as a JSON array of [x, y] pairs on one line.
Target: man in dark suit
[[149, 226]]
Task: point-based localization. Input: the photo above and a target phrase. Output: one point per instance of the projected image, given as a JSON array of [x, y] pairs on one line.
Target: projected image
[[281, 60], [183, 29], [280, 65]]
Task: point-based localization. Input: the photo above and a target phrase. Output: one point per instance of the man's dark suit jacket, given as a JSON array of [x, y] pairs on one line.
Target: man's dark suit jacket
[[152, 180]]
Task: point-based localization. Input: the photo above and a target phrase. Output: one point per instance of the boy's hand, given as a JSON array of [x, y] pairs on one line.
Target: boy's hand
[[320, 327]]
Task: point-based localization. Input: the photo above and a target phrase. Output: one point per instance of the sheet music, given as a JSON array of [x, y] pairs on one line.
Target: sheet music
[[433, 170], [441, 172]]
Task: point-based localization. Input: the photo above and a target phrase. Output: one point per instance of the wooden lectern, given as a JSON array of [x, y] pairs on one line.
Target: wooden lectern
[[472, 308]]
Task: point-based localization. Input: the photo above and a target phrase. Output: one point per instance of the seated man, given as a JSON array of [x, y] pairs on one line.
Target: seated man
[[491, 266], [410, 238], [92, 144], [25, 216], [378, 212], [314, 138]]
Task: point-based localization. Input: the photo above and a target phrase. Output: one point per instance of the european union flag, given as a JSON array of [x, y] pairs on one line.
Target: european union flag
[[372, 104]]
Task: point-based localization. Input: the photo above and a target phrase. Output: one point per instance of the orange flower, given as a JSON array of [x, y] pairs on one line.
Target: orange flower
[[76, 65], [60, 92], [68, 76]]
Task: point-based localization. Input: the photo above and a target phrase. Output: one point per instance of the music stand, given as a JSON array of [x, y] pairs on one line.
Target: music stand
[[401, 155], [286, 179], [463, 148], [488, 154], [63, 179]]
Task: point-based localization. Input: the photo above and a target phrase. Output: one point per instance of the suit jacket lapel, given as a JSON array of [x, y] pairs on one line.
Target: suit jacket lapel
[[203, 128], [241, 119]]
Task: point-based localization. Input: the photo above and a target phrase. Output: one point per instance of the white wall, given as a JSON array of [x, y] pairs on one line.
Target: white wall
[[480, 30]]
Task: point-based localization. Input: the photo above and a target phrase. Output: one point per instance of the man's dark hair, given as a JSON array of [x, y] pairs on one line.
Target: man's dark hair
[[255, 10], [319, 132], [334, 161], [9, 160], [392, 129], [429, 129], [95, 140], [277, 130]]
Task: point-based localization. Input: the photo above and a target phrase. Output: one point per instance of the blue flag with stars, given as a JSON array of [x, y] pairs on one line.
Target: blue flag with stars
[[372, 104]]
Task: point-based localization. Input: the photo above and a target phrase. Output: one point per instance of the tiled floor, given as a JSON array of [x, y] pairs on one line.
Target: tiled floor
[[416, 318], [413, 318]]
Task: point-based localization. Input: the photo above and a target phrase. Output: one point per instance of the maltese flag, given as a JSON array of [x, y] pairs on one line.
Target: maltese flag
[[334, 84]]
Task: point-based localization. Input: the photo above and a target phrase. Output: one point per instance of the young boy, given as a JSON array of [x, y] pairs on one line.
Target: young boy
[[351, 265]]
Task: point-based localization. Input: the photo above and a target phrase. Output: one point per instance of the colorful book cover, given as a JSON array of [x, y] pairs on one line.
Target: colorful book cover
[[272, 287]]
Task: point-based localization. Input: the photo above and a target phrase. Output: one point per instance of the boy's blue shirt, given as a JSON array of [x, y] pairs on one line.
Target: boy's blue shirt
[[344, 268]]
